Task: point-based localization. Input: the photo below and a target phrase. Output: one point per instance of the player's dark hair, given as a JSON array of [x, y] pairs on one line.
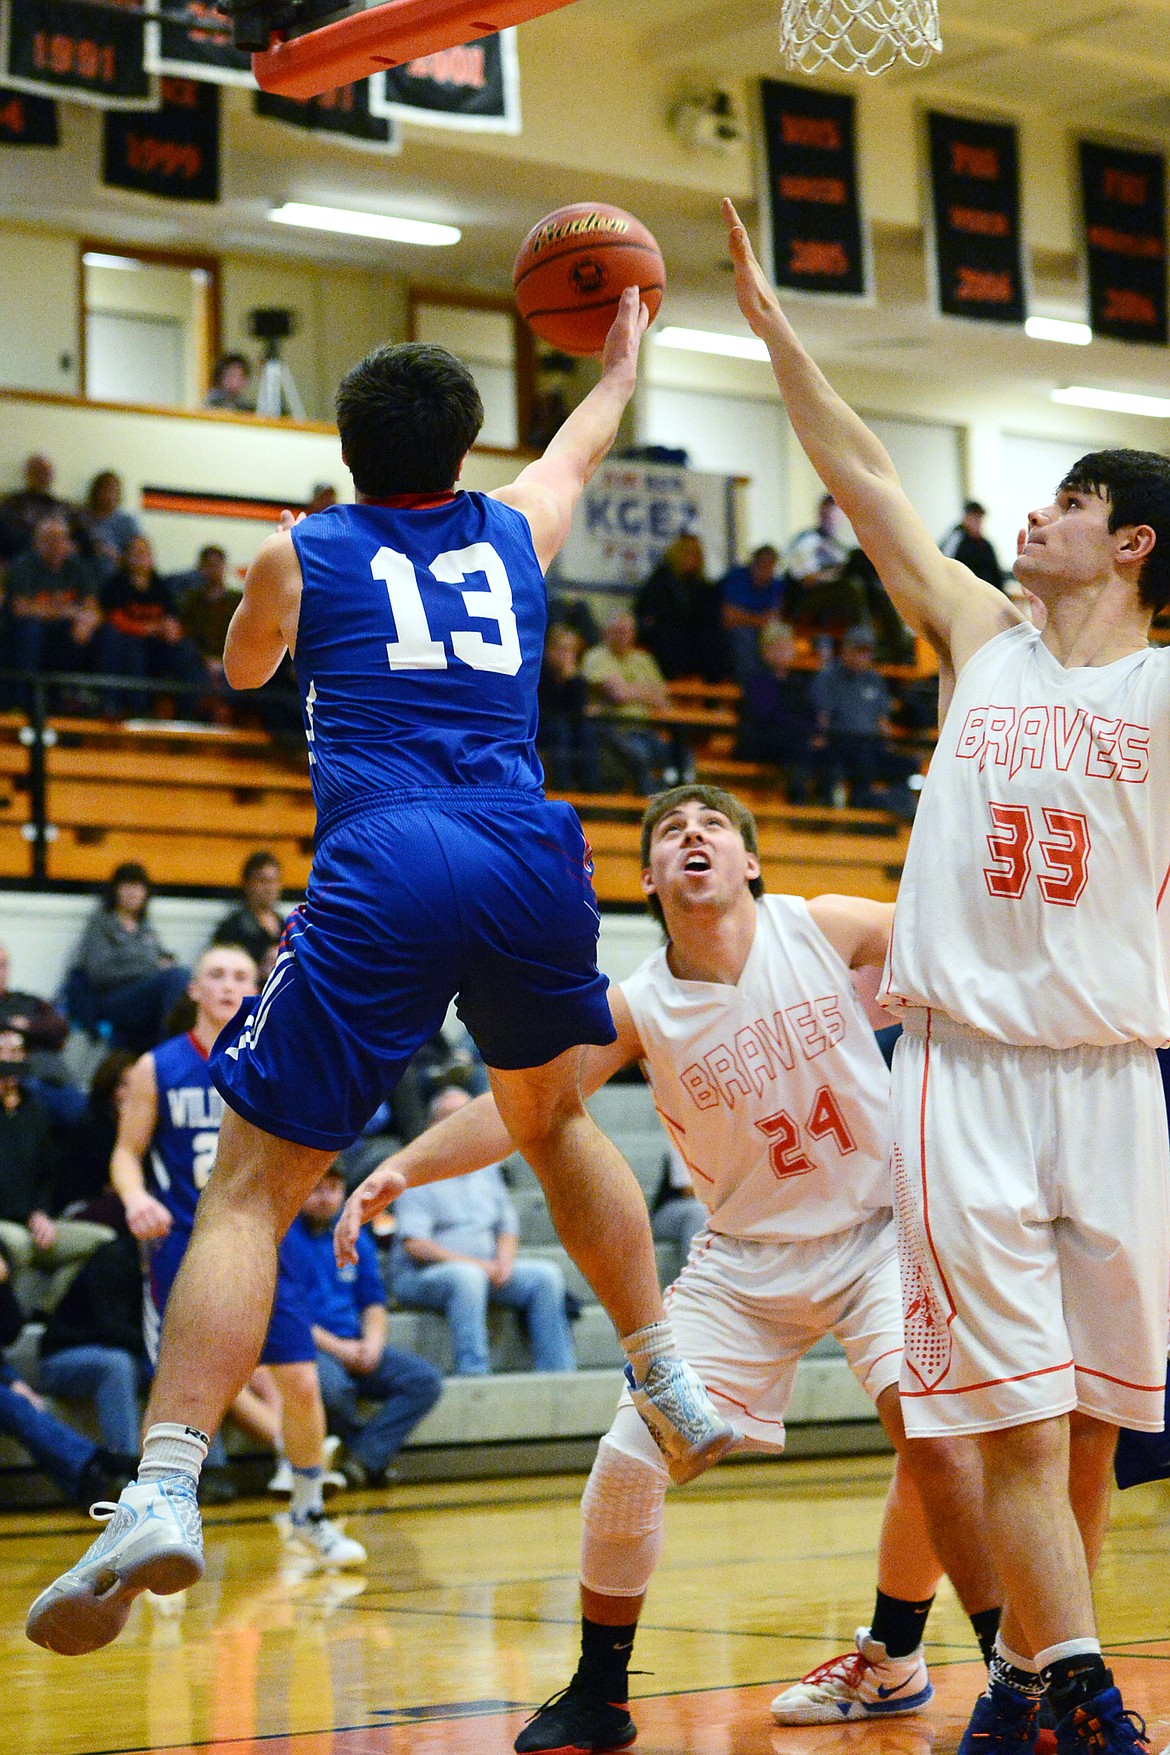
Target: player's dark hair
[[712, 798], [407, 416], [1137, 486]]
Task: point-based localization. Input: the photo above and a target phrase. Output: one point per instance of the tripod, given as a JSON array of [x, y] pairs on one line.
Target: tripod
[[277, 393]]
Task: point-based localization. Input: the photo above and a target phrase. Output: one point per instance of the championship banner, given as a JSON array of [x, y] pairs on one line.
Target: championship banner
[[476, 85], [26, 120], [198, 47], [631, 511], [812, 204], [975, 188], [90, 54], [344, 113], [174, 152], [1123, 194]]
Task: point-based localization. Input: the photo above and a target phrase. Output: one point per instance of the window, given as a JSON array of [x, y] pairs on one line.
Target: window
[[149, 325]]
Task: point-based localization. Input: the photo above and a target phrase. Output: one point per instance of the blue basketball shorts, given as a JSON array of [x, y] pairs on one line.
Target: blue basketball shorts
[[483, 896], [289, 1340]]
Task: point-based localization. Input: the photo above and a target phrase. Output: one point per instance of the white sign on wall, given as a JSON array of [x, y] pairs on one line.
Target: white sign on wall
[[630, 512]]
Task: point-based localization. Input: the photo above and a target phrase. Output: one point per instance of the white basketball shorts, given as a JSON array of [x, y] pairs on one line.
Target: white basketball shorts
[[745, 1312], [1032, 1197]]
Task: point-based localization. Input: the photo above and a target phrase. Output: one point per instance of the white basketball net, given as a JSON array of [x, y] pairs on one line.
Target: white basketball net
[[865, 36]]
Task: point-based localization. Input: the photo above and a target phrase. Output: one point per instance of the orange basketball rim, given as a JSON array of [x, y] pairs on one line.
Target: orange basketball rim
[[367, 42]]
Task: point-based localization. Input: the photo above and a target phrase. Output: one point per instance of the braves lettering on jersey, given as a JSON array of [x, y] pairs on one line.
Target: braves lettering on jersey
[[186, 1134], [774, 1089], [1034, 901], [418, 649]]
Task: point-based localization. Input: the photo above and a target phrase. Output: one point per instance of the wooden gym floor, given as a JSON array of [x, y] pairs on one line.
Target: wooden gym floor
[[467, 1615]]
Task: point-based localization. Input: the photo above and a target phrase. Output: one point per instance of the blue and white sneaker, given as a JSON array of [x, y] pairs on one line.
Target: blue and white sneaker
[[1104, 1725], [682, 1419], [153, 1540], [864, 1683], [1004, 1722]]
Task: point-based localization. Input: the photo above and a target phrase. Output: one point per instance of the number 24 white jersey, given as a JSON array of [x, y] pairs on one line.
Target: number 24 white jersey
[[1034, 901], [774, 1090]]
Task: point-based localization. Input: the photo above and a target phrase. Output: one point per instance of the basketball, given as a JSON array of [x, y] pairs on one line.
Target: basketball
[[573, 267]]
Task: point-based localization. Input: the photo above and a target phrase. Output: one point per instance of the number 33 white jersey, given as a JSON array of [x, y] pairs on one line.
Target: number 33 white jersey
[[774, 1090], [1034, 904]]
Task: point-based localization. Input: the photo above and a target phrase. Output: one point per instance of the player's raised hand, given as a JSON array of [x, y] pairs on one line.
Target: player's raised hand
[[369, 1197], [757, 300], [625, 334]]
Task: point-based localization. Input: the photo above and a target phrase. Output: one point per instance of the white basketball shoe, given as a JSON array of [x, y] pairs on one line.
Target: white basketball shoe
[[153, 1540], [315, 1538], [684, 1422], [864, 1683]]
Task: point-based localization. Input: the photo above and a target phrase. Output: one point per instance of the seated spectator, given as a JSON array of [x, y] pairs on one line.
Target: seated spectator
[[92, 1348], [141, 635], [455, 1250], [816, 596], [852, 704], [968, 544], [257, 924], [83, 1172], [679, 615], [323, 496], [40, 1026], [677, 1214], [131, 982], [20, 513], [776, 716], [625, 681], [894, 642], [753, 595], [347, 1307], [30, 1238], [229, 384], [52, 602], [567, 739], [110, 529], [206, 606]]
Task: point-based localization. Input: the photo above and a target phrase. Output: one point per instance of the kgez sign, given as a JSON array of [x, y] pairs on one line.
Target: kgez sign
[[630, 512]]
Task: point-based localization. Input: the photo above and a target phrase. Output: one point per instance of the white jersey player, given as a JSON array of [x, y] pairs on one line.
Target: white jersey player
[[767, 1076], [1029, 960]]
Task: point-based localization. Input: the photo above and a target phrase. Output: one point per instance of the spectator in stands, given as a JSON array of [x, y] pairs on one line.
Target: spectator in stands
[[814, 564], [323, 496], [92, 1348], [676, 1213], [206, 607], [20, 513], [28, 1183], [777, 724], [347, 1307], [627, 683], [679, 614], [852, 704], [455, 1250], [132, 981], [229, 384], [257, 923], [567, 738], [141, 635], [968, 544], [753, 594], [38, 1024], [110, 529], [83, 1173], [52, 601], [894, 642], [84, 1471]]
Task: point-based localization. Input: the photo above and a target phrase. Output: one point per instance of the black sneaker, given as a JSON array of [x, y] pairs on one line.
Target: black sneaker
[[577, 1722]]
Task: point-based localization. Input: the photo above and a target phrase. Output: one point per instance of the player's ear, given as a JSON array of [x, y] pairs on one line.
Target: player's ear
[[752, 864], [649, 887], [1134, 541]]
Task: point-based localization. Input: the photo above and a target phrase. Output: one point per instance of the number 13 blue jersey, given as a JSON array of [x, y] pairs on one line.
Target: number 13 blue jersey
[[419, 648]]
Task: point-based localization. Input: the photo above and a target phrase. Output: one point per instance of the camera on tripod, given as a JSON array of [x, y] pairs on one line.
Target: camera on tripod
[[277, 394]]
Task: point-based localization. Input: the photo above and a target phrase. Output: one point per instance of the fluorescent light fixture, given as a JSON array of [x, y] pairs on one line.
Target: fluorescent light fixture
[[740, 347], [1056, 329], [99, 259], [1116, 401], [364, 225]]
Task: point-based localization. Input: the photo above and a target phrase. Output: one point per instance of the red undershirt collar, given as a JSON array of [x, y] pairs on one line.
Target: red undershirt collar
[[412, 502], [196, 1044]]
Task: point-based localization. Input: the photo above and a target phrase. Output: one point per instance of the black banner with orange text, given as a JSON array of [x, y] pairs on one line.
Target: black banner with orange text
[[1123, 194], [26, 120], [88, 54], [812, 197], [975, 186], [173, 151]]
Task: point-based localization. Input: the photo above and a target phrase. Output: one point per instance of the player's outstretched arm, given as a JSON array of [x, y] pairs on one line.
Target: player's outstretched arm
[[264, 626], [940, 598], [468, 1139], [858, 929], [146, 1217], [547, 491]]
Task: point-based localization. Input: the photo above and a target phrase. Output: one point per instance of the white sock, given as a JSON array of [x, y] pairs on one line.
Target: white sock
[[1066, 1649], [307, 1499], [171, 1449], [647, 1345]]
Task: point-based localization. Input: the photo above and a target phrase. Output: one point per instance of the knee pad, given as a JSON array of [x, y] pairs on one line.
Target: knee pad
[[622, 1507]]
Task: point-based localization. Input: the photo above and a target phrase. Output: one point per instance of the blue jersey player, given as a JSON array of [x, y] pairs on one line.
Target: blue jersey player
[[416, 619]]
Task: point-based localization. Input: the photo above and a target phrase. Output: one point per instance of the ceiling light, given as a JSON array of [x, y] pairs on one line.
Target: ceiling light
[[741, 347], [99, 259], [364, 225], [1056, 329], [1117, 401]]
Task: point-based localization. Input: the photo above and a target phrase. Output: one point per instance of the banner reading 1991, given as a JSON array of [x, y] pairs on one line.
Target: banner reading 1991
[[975, 184], [812, 194], [1124, 197]]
